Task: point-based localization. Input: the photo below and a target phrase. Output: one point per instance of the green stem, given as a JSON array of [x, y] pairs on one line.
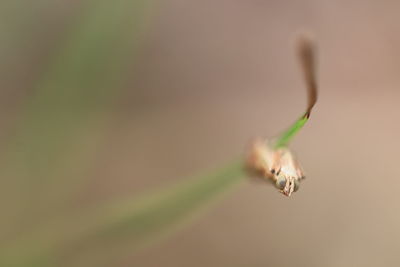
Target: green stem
[[286, 136], [157, 215], [123, 228]]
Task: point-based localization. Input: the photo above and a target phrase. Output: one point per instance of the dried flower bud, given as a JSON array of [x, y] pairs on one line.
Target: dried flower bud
[[277, 165]]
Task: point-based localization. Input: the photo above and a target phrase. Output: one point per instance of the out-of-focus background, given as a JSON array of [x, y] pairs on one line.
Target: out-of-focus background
[[105, 100]]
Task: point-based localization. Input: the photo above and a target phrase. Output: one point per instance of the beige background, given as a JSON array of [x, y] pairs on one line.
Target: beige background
[[211, 75], [220, 72]]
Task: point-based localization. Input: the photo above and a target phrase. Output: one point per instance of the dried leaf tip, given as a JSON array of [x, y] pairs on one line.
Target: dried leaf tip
[[306, 52]]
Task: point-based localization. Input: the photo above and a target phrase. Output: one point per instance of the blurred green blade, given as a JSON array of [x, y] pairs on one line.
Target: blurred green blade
[[121, 229], [64, 120], [151, 218]]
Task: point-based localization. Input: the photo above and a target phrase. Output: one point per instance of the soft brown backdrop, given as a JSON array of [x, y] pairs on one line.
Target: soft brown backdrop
[[211, 75], [217, 73]]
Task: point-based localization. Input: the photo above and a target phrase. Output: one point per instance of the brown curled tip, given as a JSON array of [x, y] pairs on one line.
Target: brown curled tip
[[306, 53]]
